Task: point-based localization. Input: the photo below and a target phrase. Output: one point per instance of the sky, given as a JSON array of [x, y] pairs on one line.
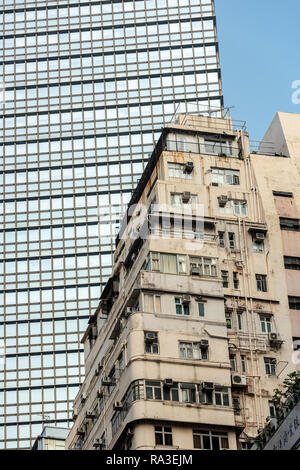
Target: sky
[[260, 59]]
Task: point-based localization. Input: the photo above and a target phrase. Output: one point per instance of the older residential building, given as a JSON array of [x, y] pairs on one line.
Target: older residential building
[[193, 331], [51, 438], [278, 178]]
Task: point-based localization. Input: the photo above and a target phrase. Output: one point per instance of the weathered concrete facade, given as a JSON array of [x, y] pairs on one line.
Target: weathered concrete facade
[[193, 330], [278, 180]]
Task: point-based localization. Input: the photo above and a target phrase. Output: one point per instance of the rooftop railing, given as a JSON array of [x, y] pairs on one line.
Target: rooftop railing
[[210, 148]]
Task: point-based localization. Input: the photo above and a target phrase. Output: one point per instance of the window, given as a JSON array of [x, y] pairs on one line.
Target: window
[[178, 170], [102, 442], [258, 246], [151, 342], [282, 194], [240, 321], [201, 309], [261, 282], [218, 147], [232, 358], [244, 363], [236, 282], [266, 324], [294, 303], [190, 350], [231, 239], [221, 396], [182, 265], [210, 440], [204, 266], [272, 410], [225, 278], [171, 393], [235, 207], [289, 224], [168, 263], [188, 393], [163, 436], [221, 239], [270, 365], [229, 321], [292, 263], [296, 344], [152, 303], [181, 306], [221, 176], [153, 390], [180, 200]]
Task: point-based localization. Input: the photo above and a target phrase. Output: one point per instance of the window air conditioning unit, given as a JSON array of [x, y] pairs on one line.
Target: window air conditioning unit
[[168, 383], [186, 196], [74, 414], [83, 397], [150, 337], [188, 168], [80, 431], [204, 343], [195, 271], [222, 200], [236, 180], [100, 393], [90, 414], [274, 338], [207, 386], [239, 380], [259, 237], [118, 406], [186, 299], [107, 381]]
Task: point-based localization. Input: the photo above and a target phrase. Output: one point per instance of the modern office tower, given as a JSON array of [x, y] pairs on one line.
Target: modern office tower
[[192, 333], [88, 86]]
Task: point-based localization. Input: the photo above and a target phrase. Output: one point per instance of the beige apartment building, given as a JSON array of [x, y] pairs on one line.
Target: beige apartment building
[[193, 331]]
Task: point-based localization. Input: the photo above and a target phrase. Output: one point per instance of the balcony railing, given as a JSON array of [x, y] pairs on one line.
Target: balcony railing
[[210, 148], [182, 234]]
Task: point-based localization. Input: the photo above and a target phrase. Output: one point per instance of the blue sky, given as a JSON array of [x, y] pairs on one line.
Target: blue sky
[[260, 58]]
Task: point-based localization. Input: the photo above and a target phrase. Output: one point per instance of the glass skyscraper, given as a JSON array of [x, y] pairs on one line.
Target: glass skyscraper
[[87, 86]]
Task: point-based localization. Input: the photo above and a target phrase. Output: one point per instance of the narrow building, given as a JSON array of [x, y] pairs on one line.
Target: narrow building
[[192, 333]]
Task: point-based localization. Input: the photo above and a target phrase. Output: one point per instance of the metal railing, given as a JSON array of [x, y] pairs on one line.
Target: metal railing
[[186, 234], [211, 148]]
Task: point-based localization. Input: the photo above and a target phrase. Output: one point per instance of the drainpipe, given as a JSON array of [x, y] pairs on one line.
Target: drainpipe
[[258, 372], [248, 318]]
